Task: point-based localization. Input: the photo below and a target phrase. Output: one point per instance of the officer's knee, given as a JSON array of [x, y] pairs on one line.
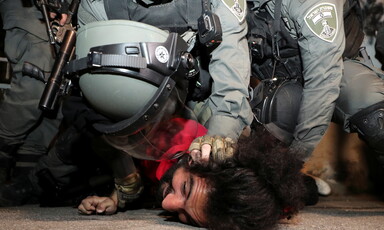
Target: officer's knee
[[360, 87], [369, 124]]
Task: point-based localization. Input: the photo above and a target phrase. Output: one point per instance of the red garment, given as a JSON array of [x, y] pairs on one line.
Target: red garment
[[186, 132]]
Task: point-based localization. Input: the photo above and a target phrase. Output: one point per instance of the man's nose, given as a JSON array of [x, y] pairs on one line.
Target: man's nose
[[172, 203]]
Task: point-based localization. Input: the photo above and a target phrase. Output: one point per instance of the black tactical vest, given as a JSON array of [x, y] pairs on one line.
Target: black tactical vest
[[274, 52], [279, 57], [176, 16], [353, 27]]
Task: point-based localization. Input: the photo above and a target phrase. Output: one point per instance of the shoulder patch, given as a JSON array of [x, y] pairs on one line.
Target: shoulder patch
[[322, 20], [237, 7]]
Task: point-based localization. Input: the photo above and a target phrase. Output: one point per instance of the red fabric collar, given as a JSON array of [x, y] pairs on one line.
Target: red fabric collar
[[180, 142]]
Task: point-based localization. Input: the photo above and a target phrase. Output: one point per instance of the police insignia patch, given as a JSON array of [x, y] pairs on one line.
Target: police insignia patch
[[162, 54], [237, 7], [322, 20]]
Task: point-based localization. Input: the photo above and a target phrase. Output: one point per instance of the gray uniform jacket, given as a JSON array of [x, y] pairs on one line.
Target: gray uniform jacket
[[321, 47], [227, 106], [26, 40]]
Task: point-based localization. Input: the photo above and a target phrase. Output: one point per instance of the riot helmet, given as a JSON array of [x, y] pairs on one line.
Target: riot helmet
[[135, 75]]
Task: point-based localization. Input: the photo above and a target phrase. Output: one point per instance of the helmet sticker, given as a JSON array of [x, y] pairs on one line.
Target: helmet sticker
[[322, 20], [237, 7], [162, 54]]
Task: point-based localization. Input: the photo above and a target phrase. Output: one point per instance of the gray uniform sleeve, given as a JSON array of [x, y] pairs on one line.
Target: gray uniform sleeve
[[91, 11], [28, 19], [321, 49], [230, 70]]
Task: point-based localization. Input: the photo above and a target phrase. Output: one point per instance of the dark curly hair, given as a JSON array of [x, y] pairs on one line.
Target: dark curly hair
[[259, 186]]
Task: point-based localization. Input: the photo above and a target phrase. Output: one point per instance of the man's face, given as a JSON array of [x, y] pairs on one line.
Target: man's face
[[186, 194]]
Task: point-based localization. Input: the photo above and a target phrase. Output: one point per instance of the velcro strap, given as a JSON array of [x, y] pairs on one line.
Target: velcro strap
[[116, 60], [128, 189], [98, 60]]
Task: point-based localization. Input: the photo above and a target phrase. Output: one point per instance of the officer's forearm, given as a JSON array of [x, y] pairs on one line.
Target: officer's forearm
[[322, 73], [230, 71], [225, 126]]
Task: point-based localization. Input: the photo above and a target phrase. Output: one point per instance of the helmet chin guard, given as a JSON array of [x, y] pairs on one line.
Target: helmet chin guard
[[129, 70]]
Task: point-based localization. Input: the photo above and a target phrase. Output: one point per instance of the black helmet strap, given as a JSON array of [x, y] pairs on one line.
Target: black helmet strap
[[142, 60]]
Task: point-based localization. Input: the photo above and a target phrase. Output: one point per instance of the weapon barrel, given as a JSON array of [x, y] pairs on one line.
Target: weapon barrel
[[46, 18], [53, 86]]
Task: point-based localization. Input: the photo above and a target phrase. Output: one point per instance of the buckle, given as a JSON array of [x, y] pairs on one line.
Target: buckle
[[94, 59]]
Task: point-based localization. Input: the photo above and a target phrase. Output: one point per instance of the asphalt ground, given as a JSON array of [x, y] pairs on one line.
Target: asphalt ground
[[333, 212]]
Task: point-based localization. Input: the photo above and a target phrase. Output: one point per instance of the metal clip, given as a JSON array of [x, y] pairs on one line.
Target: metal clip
[[94, 59]]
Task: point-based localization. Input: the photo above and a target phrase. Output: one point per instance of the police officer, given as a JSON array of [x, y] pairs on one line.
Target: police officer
[[224, 110], [21, 122], [315, 44], [228, 65]]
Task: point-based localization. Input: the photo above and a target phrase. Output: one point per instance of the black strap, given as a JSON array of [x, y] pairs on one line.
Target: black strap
[[96, 59], [276, 30], [277, 15]]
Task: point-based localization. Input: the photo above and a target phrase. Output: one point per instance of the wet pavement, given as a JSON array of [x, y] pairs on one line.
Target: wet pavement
[[333, 212]]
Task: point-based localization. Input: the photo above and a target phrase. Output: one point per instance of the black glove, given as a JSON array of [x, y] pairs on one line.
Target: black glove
[[57, 6], [201, 87]]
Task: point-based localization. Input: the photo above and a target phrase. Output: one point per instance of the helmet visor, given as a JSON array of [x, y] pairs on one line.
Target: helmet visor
[[167, 137]]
